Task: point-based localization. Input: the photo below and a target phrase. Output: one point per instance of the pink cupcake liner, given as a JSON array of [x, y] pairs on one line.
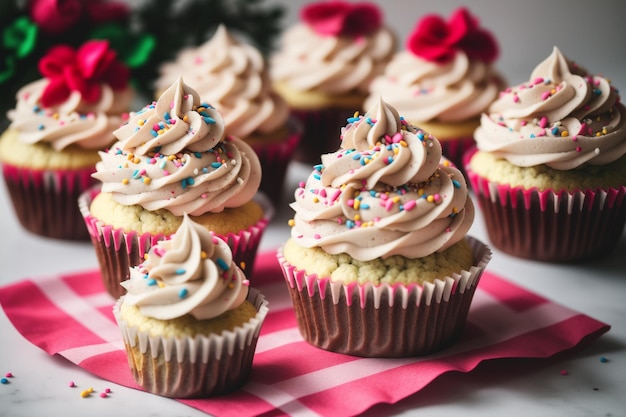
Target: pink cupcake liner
[[275, 158], [45, 200], [385, 320], [321, 130], [554, 226], [118, 250], [202, 366]]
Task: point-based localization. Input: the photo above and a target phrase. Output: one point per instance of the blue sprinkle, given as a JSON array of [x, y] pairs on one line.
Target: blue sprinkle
[[555, 130], [197, 154], [4, 381], [364, 206], [456, 184], [350, 224], [41, 127], [205, 170], [180, 271], [420, 135], [208, 120], [532, 135], [352, 119], [597, 92], [318, 167], [222, 264], [183, 293], [151, 282], [317, 177], [163, 164], [356, 156], [190, 181], [136, 174], [603, 359], [216, 164], [166, 116], [369, 121], [154, 133]]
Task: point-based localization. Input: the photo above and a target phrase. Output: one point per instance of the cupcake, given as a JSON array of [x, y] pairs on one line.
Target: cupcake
[[233, 77], [379, 263], [171, 158], [324, 66], [550, 168], [443, 80], [59, 124], [189, 321]]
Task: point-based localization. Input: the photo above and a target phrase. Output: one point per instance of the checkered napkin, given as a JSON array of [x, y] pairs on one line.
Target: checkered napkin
[[70, 315]]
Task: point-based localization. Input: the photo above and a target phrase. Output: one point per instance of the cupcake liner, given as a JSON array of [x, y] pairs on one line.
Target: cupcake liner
[[275, 158], [45, 200], [193, 367], [320, 132], [118, 250], [455, 148], [385, 320], [554, 226]]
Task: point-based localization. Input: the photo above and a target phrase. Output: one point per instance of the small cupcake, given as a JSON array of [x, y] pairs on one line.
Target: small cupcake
[[324, 66], [189, 321], [59, 124], [233, 77], [378, 263], [172, 158], [443, 80], [550, 170]]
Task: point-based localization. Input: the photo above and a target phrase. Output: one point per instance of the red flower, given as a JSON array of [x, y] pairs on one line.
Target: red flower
[[55, 17], [435, 40], [340, 18], [84, 70]]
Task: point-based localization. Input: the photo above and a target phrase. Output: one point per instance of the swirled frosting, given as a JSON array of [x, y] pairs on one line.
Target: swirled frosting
[[233, 77], [562, 117], [73, 122], [173, 154], [386, 192], [308, 61], [191, 273], [424, 91]]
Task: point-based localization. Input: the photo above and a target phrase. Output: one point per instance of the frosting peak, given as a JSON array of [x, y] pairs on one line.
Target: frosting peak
[[386, 192], [192, 273], [173, 154], [562, 117]]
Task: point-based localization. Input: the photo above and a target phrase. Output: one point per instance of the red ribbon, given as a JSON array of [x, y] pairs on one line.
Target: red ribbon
[[84, 70], [435, 40], [340, 18]]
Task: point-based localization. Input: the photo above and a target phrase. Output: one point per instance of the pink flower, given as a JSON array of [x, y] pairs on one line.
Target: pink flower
[[55, 17], [340, 18], [435, 40], [84, 70]]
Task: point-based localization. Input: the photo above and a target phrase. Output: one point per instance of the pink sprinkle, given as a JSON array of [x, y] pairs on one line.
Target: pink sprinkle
[[538, 80], [335, 195], [322, 193], [564, 372], [543, 122], [575, 138], [397, 138], [203, 195], [409, 205], [9, 375], [156, 127], [545, 95], [198, 60], [515, 98], [579, 149], [107, 390], [388, 205], [71, 384], [583, 126], [437, 197], [103, 395], [316, 236], [350, 202]]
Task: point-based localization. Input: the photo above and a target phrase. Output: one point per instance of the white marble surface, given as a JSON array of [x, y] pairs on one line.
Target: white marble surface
[[499, 387]]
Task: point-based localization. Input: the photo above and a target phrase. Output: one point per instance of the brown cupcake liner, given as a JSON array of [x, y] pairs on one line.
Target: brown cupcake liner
[[455, 148], [45, 200], [275, 158], [551, 226], [118, 250], [385, 320], [193, 367], [321, 130]]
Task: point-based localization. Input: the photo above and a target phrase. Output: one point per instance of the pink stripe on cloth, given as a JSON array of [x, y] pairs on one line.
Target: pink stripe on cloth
[[70, 315]]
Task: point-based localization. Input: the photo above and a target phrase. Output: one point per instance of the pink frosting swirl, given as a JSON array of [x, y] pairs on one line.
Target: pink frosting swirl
[[232, 76], [87, 125], [173, 154], [562, 117], [191, 273], [390, 194]]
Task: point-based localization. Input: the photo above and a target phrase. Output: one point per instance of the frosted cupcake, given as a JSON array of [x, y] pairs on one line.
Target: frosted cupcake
[[324, 66], [233, 77], [378, 263], [59, 123], [189, 322], [550, 171], [172, 158], [443, 80]]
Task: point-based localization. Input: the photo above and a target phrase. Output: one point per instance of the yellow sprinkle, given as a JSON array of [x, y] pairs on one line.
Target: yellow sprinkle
[[564, 133], [147, 180], [598, 134], [430, 198], [404, 144], [242, 265], [85, 393], [130, 156], [316, 200], [291, 223], [141, 122], [396, 151], [357, 204], [203, 255], [160, 131], [185, 118], [420, 192], [553, 91], [357, 217], [230, 286], [446, 163], [55, 116], [125, 181], [604, 131], [396, 199], [171, 157], [356, 114], [136, 160], [145, 256], [160, 284]]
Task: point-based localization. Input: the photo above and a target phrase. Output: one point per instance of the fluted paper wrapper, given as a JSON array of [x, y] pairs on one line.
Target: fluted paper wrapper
[[193, 367], [118, 250], [552, 226], [385, 320], [45, 200]]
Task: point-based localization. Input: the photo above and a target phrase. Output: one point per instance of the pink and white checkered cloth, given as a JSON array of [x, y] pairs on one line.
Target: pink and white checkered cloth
[[70, 315]]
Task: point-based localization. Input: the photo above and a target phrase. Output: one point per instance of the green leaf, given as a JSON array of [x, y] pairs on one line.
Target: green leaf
[[132, 48], [21, 36]]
